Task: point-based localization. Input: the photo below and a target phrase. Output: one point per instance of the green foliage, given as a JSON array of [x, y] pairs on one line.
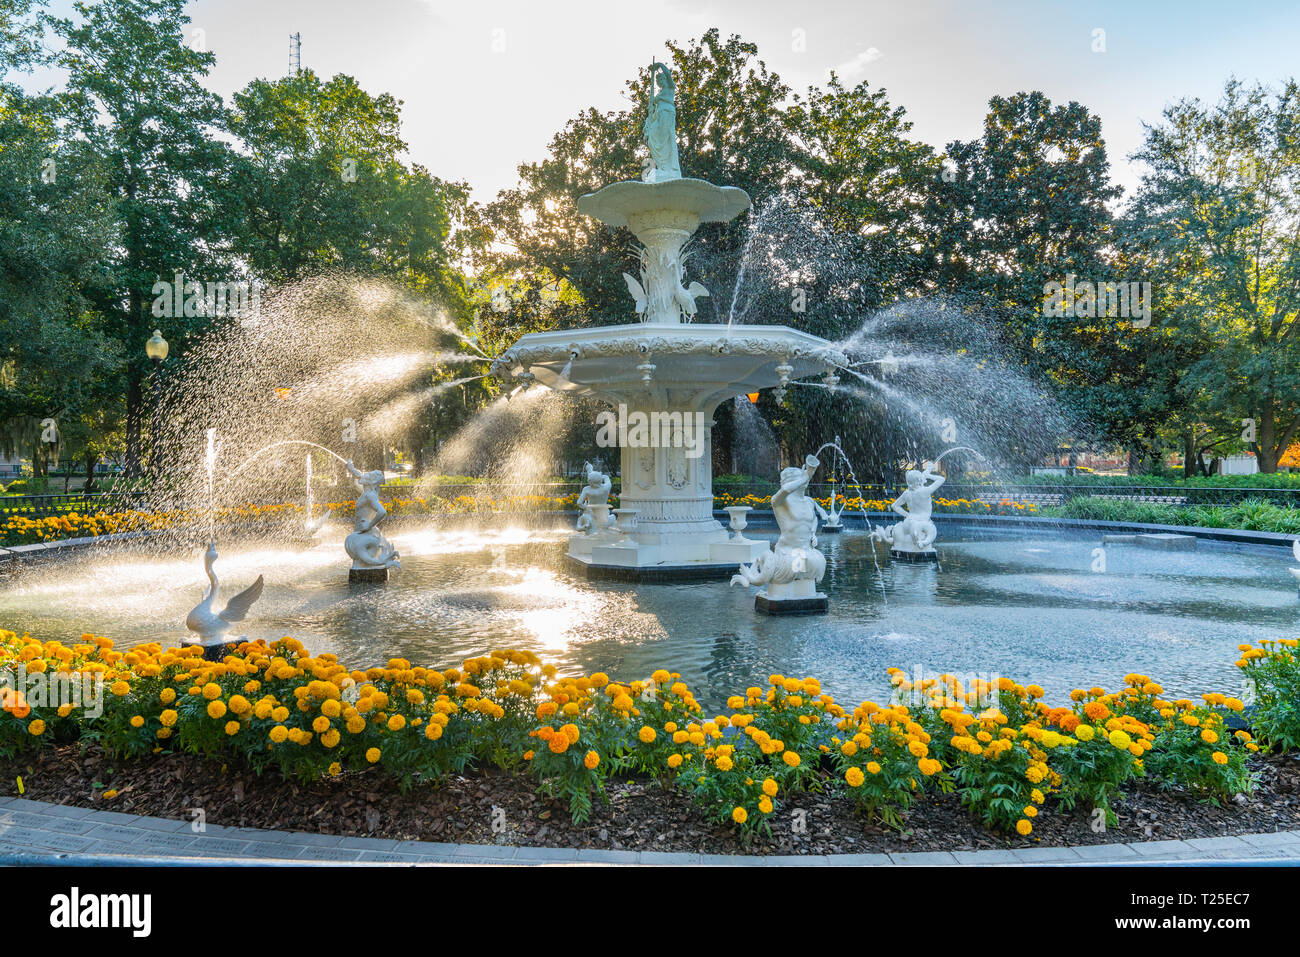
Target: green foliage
[[1252, 515], [1216, 226], [1273, 671]]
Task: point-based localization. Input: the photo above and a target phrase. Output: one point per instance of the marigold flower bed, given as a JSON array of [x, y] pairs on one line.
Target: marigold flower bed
[[999, 750]]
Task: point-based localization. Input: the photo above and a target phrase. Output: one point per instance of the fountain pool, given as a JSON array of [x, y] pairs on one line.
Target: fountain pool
[[1025, 606]]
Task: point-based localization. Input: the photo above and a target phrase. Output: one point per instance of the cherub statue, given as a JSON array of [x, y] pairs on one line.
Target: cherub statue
[[366, 545], [795, 555], [595, 492], [916, 532]]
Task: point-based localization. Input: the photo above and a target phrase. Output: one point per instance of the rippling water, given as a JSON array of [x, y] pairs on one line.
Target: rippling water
[[1025, 607]]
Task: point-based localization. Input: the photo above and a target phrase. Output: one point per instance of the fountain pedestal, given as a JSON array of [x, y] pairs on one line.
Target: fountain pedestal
[[663, 428], [791, 598]]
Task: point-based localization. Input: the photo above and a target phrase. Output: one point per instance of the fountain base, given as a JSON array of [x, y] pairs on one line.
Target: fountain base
[[830, 529], [914, 558], [653, 574], [818, 604], [367, 575], [653, 556]]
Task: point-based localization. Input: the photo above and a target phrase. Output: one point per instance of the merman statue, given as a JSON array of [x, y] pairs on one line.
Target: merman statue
[[790, 571], [910, 539], [371, 553]]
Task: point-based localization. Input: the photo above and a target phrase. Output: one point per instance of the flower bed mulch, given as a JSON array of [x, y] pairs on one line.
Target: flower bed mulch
[[640, 815]]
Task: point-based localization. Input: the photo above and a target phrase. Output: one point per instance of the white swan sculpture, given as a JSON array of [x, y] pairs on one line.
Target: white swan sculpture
[[211, 625], [1295, 549]]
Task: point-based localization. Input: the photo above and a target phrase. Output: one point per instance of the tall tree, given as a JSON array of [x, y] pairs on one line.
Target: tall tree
[[141, 106], [55, 360], [1219, 208]]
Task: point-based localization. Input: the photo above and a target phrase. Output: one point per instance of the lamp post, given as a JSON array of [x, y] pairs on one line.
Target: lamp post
[[156, 349]]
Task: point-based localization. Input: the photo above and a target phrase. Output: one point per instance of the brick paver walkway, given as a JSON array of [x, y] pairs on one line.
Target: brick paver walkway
[[41, 833]]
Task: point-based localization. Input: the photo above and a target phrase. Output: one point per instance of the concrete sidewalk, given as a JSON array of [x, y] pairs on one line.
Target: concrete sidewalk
[[36, 832]]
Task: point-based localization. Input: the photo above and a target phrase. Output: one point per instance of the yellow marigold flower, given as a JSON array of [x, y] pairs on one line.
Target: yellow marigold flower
[[873, 767], [854, 777], [119, 688], [1209, 737], [791, 758], [558, 743], [330, 707], [110, 794], [216, 709], [674, 760], [137, 721], [591, 760], [232, 727], [1085, 732], [1119, 739], [167, 695], [1030, 811], [646, 735], [335, 769], [433, 731], [1219, 757], [373, 755], [330, 738], [212, 691], [168, 718], [770, 787], [280, 713], [320, 724], [397, 722], [739, 815], [765, 804], [1023, 827], [36, 728], [278, 734]]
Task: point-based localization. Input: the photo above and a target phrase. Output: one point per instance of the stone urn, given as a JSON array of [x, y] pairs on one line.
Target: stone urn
[[739, 522]]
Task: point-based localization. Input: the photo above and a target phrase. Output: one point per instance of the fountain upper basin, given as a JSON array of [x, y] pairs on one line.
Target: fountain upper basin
[[624, 203], [695, 366]]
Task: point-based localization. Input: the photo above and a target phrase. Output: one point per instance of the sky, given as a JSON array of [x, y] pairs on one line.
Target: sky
[[486, 84]]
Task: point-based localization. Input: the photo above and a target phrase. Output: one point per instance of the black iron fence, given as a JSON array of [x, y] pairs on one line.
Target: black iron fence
[[45, 505]]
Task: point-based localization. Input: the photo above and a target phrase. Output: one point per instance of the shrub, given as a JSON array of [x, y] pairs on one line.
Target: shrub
[[1273, 670]]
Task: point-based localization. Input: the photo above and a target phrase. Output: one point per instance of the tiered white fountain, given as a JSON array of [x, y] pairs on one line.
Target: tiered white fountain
[[669, 368]]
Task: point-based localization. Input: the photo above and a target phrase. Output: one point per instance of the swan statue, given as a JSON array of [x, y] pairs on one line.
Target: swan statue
[[1295, 550], [211, 625]]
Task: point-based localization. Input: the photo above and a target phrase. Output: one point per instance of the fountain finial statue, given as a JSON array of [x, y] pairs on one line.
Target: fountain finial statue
[[371, 553], [910, 539], [660, 127], [208, 623], [794, 566]]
